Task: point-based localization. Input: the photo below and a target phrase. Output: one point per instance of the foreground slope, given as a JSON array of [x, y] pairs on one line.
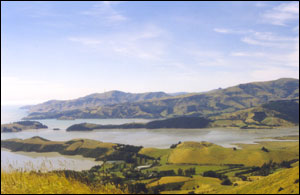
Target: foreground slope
[[283, 182], [16, 182]]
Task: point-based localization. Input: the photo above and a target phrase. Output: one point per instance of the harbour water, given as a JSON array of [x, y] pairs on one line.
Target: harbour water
[[159, 138]]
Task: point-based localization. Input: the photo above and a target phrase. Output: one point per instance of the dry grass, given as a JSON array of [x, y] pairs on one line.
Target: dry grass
[[16, 182], [282, 182], [170, 179]]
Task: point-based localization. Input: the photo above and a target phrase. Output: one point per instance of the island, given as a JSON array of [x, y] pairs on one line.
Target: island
[[21, 125], [178, 122]]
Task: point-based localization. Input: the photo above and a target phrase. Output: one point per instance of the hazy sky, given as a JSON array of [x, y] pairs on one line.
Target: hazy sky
[[64, 50]]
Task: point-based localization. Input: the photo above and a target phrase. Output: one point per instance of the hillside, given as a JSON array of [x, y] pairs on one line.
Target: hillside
[[283, 182], [21, 125], [94, 100], [85, 147], [250, 154], [197, 104], [178, 122], [280, 113], [18, 182], [272, 114]]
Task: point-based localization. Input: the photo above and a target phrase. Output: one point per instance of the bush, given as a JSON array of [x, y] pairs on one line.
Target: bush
[[227, 182]]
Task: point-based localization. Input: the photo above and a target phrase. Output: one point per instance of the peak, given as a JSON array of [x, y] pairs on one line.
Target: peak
[[39, 138]]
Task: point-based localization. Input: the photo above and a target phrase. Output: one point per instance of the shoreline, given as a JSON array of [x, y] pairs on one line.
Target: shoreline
[[51, 155]]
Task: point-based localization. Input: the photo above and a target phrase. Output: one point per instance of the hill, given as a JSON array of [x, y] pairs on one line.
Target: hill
[[22, 125], [272, 114], [197, 104], [85, 147], [178, 122], [283, 182], [93, 100], [250, 154], [280, 113]]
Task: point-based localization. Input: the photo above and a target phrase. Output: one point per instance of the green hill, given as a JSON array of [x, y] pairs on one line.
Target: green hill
[[203, 153], [22, 125], [85, 147], [272, 114], [93, 100], [197, 104], [178, 122]]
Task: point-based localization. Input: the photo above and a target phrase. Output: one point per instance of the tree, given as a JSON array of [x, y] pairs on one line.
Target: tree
[[180, 171], [264, 149], [227, 182]]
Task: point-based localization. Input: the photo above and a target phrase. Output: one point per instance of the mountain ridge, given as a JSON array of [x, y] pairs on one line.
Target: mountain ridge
[[194, 104]]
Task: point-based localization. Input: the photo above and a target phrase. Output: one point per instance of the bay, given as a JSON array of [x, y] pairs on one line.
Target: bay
[[159, 138]]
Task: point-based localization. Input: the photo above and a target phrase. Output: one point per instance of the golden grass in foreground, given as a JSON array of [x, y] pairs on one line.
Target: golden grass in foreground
[[16, 182], [283, 182]]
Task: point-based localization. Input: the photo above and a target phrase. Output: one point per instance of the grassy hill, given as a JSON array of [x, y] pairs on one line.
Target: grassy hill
[[22, 125], [85, 147], [178, 122], [280, 113], [197, 104], [93, 100], [272, 114], [250, 154], [283, 182]]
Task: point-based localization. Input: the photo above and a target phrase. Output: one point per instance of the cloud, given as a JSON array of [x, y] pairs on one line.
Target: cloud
[[231, 31], [85, 41], [282, 14], [147, 43], [268, 39], [222, 30], [106, 11], [247, 54]]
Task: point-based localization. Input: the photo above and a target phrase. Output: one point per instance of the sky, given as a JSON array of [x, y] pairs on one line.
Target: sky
[[65, 50]]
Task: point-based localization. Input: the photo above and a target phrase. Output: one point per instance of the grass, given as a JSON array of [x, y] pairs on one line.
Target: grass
[[168, 180], [249, 155], [282, 182], [16, 182]]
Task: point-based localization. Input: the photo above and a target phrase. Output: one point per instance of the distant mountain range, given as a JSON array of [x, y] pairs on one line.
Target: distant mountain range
[[117, 104], [95, 100]]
